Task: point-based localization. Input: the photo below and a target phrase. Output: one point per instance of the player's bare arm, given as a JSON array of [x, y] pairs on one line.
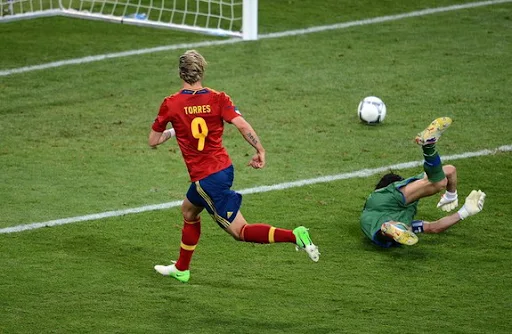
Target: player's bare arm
[[442, 224], [157, 138], [473, 205], [258, 160]]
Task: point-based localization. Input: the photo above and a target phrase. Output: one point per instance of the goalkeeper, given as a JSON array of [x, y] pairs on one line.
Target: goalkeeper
[[388, 214]]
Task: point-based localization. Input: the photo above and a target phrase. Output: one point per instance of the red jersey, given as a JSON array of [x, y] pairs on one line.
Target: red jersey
[[198, 118]]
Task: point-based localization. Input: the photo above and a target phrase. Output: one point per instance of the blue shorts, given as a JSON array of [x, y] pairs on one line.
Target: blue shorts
[[215, 195]]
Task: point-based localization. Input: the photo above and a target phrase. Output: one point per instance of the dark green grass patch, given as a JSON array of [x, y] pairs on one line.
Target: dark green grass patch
[[98, 277]]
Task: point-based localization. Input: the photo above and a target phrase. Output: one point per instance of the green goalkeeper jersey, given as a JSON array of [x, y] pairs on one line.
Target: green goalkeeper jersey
[[386, 204]]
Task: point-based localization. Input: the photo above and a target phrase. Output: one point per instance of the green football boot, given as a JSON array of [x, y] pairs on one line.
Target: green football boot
[[182, 276], [303, 241]]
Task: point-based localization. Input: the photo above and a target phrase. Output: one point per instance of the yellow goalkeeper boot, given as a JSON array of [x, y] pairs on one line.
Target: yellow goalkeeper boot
[[400, 233], [434, 131]]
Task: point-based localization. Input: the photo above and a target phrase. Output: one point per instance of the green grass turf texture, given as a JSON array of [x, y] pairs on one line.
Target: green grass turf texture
[[74, 143]]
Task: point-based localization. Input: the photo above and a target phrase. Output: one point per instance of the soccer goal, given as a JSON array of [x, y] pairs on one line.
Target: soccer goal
[[234, 18]]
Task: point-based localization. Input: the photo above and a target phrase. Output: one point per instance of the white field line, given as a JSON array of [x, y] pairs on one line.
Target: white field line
[[255, 190], [345, 25]]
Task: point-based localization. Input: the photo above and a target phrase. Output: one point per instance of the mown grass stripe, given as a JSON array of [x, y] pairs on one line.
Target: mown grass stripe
[[337, 26], [255, 190]]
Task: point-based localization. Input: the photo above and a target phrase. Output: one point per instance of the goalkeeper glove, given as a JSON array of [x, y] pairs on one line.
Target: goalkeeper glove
[[473, 205], [448, 203]]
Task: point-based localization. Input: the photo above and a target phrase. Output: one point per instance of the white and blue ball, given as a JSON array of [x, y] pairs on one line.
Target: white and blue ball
[[371, 110]]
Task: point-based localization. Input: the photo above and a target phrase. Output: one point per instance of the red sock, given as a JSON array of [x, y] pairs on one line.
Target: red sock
[[189, 238], [265, 234]]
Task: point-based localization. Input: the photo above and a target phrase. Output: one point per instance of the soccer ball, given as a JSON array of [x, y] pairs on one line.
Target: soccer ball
[[371, 110]]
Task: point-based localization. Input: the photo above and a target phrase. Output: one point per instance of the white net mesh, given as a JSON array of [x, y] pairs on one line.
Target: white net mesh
[[18, 7], [213, 16]]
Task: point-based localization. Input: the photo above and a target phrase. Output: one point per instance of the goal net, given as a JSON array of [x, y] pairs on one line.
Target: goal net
[[235, 18]]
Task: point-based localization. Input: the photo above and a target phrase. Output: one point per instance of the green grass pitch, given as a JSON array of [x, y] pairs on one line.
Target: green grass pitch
[[73, 142]]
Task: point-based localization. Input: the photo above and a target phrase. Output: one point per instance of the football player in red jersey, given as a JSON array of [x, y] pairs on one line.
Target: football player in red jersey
[[197, 115]]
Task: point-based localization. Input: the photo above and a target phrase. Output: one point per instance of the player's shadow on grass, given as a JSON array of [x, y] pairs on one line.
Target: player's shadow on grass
[[411, 252], [366, 245]]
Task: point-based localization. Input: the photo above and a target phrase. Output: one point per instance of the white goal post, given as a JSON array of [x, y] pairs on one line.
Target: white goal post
[[232, 18]]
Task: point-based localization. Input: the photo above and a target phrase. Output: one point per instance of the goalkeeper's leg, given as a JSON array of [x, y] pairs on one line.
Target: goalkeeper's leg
[[428, 139], [438, 177], [449, 200]]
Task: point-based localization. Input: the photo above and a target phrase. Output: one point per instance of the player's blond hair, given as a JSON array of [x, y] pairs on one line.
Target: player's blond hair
[[192, 66]]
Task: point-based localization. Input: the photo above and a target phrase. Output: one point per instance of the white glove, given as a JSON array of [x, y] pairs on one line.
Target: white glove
[[446, 204], [473, 205]]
